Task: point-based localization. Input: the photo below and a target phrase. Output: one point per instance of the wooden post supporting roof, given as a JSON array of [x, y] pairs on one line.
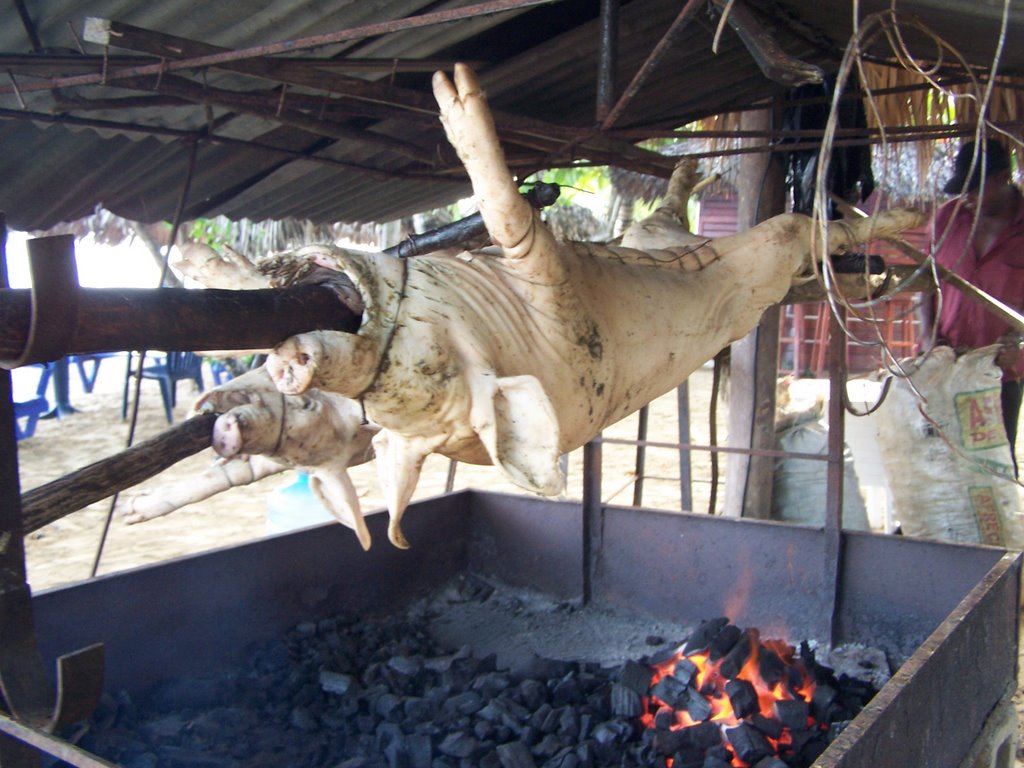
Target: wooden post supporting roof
[[754, 358]]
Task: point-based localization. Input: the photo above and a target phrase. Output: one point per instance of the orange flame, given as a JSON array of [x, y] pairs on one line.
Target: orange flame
[[710, 682]]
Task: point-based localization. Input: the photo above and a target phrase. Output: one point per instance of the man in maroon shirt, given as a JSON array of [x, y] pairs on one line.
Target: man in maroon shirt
[[980, 236]]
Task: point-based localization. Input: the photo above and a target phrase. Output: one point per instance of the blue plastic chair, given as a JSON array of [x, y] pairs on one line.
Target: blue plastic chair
[[174, 367], [29, 411], [89, 377]]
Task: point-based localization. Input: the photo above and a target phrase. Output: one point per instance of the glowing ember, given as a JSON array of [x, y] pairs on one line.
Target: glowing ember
[[727, 698]]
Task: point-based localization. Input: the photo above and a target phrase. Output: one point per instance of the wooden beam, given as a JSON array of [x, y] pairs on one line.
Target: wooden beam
[[115, 319]]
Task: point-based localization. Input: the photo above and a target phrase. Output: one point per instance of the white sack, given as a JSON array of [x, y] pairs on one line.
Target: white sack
[[951, 490]]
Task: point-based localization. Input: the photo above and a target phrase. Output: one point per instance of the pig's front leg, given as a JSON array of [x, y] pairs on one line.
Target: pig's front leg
[[334, 488], [216, 479], [399, 463]]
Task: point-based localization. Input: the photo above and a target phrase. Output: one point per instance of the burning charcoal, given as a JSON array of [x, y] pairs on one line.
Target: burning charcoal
[[334, 682], [688, 757], [626, 702], [719, 752], [743, 697], [458, 745], [770, 666], [768, 726], [664, 718], [685, 671], [821, 701], [714, 762], [734, 660], [697, 705], [750, 745], [702, 636], [654, 640], [703, 735], [812, 751], [770, 762], [666, 654], [792, 714], [515, 754], [671, 692], [724, 641], [635, 677], [795, 681]]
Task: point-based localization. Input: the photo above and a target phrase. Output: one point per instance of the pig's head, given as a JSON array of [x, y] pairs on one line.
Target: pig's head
[[336, 361]]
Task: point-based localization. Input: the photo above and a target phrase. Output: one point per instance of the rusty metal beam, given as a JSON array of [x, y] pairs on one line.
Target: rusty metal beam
[[287, 46]]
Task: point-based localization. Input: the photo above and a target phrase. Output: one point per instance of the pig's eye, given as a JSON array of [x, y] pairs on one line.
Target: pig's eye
[[303, 358]]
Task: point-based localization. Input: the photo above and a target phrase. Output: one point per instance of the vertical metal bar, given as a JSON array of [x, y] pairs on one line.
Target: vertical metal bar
[[834, 477], [685, 471], [609, 56], [651, 63], [641, 457], [591, 517]]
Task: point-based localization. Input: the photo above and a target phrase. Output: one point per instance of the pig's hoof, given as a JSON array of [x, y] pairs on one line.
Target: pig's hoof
[[396, 536], [228, 437], [143, 507]]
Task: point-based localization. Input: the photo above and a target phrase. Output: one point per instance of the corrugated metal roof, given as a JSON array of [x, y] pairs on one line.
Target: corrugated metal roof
[[317, 148]]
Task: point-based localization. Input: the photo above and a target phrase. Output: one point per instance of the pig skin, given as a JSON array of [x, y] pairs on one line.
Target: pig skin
[[320, 432], [516, 355]]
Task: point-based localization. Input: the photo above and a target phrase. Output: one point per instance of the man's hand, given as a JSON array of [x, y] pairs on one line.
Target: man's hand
[[1009, 353]]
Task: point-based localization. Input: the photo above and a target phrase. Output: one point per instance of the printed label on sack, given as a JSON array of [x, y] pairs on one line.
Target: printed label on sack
[[981, 419], [986, 511]]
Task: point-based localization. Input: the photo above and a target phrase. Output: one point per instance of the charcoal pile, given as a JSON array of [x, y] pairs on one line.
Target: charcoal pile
[[726, 696], [382, 692], [351, 692]]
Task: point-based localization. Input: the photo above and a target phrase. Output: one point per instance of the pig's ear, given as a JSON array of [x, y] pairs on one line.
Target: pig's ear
[[516, 423]]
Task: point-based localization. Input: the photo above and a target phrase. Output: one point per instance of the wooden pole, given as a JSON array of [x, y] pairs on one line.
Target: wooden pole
[[116, 319], [104, 478], [754, 358]]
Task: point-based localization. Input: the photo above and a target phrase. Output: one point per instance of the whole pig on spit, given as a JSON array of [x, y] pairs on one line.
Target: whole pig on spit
[[517, 354]]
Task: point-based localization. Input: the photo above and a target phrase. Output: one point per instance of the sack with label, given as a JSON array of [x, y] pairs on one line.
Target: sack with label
[[947, 458]]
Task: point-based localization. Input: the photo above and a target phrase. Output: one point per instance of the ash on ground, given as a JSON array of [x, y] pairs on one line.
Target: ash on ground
[[519, 626]]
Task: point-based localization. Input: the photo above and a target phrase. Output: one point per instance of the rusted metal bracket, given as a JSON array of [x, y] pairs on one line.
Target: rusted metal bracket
[[27, 690]]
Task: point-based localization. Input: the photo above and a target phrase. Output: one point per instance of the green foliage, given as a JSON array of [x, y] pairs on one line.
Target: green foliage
[[579, 180], [211, 231]]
